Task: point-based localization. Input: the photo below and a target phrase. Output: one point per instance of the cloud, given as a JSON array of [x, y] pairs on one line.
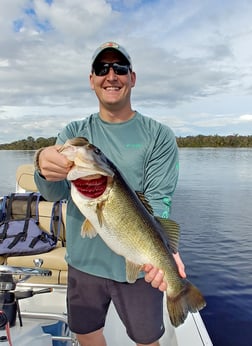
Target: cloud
[[246, 117], [192, 58]]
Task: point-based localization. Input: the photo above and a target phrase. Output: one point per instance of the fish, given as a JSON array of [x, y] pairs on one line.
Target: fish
[[125, 221]]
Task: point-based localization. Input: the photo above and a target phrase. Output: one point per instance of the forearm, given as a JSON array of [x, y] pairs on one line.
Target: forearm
[[52, 190], [161, 174]]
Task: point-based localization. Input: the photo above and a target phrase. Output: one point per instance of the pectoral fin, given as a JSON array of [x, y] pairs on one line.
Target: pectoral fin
[[132, 271], [88, 230], [99, 213]]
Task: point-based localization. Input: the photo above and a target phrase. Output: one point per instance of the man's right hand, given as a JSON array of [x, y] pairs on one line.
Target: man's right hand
[[53, 165]]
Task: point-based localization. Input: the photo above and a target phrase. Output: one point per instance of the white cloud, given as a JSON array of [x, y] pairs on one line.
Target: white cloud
[[193, 62], [246, 117]]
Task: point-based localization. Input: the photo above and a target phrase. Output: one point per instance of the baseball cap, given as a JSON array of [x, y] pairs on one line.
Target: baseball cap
[[111, 46]]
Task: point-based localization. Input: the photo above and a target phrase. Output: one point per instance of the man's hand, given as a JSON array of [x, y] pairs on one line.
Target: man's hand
[[155, 276], [53, 165]]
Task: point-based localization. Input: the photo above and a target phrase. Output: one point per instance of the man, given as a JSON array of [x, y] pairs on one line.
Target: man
[[146, 152]]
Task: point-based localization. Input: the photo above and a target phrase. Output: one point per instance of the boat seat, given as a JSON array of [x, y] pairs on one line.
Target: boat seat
[[25, 178], [54, 259]]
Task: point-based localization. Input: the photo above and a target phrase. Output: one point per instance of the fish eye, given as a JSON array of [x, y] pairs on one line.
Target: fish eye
[[97, 151], [94, 148]]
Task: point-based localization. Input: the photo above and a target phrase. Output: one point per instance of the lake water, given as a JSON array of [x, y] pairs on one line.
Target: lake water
[[213, 204]]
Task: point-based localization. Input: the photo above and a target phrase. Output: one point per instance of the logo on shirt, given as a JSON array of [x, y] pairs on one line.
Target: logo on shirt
[[133, 145], [167, 203]]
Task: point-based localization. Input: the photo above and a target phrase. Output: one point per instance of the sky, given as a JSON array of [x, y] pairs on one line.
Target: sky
[[193, 60]]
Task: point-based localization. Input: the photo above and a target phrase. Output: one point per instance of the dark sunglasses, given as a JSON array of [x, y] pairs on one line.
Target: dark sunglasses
[[102, 68]]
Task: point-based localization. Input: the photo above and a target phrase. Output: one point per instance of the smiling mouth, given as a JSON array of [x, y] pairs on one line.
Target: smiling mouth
[[112, 88], [91, 188]]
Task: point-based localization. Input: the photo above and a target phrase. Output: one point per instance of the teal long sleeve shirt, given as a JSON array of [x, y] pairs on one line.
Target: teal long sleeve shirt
[[145, 151]]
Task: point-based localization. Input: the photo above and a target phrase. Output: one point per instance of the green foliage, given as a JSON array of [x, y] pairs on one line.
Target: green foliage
[[29, 144], [234, 141]]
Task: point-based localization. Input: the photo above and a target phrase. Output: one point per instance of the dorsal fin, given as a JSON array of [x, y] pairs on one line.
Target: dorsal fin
[[170, 229], [145, 202], [171, 232]]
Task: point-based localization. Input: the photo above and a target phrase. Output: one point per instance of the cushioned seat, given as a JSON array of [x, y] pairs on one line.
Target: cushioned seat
[[53, 260], [24, 178]]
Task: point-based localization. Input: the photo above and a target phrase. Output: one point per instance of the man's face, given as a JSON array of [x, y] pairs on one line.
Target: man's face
[[113, 90]]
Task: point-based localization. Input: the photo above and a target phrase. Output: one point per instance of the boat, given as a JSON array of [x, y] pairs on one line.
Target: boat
[[35, 287]]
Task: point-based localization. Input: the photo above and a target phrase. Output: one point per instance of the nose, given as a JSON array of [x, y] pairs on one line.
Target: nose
[[111, 75]]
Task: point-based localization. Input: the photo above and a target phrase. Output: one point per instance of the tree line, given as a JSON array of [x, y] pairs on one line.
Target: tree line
[[233, 141], [29, 143], [199, 141]]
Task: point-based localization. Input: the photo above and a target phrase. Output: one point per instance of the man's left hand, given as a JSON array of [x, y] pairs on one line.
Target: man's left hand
[[155, 276]]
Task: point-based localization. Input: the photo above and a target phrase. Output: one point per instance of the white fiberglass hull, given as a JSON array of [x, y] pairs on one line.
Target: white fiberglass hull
[[46, 308]]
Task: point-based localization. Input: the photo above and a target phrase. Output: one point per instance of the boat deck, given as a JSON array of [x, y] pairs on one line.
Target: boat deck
[[191, 333]]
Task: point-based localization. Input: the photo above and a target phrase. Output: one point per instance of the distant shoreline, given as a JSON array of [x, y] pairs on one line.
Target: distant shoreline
[[199, 141]]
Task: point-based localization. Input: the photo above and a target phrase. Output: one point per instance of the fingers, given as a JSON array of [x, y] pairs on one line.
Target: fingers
[[155, 277], [180, 265], [53, 165]]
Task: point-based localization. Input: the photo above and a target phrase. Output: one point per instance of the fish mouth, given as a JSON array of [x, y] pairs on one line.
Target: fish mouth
[[92, 186]]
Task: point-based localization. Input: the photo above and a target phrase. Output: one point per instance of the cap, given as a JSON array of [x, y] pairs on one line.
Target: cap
[[111, 45]]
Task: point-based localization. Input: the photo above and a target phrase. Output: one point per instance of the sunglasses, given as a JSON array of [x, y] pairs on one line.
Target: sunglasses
[[102, 68]]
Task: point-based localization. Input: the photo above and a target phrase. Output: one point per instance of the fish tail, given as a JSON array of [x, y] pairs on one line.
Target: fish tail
[[188, 300]]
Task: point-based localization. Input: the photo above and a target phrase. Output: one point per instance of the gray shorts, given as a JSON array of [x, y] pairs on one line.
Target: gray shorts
[[139, 305]]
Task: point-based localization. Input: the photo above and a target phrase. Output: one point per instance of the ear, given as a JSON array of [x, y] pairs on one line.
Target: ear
[[133, 78], [91, 81]]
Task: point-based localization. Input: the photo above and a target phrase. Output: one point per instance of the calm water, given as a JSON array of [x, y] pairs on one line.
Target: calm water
[[10, 160], [213, 204]]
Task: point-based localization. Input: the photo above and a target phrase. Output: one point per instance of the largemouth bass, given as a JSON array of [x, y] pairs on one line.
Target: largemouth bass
[[125, 222]]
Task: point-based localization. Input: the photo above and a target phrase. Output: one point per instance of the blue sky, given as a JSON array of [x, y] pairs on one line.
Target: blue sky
[[193, 60]]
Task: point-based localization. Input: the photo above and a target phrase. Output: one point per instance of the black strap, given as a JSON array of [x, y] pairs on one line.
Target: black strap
[[22, 235], [44, 237], [9, 208], [7, 218], [56, 219]]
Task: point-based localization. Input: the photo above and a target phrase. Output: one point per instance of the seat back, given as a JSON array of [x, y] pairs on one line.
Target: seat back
[[25, 178]]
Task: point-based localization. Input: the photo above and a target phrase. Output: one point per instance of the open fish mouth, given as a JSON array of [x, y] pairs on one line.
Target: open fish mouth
[[91, 187]]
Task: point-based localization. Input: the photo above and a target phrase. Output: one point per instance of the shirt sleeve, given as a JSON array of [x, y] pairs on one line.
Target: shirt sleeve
[[52, 190], [161, 172]]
